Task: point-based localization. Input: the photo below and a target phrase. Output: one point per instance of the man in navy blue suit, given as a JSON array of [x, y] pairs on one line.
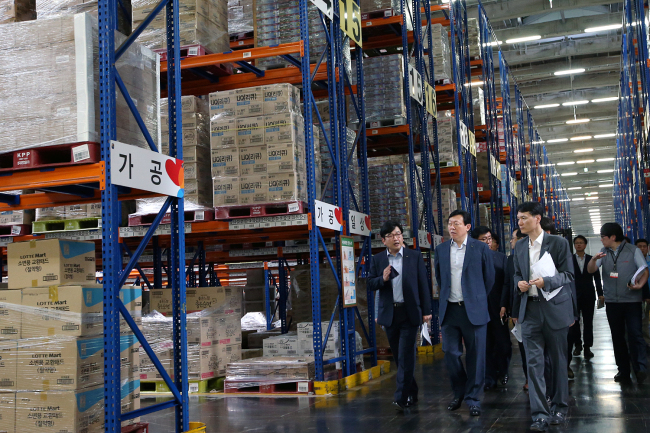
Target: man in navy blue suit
[[400, 275], [465, 274]]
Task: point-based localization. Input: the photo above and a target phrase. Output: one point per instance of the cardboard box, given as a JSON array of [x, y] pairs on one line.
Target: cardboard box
[[190, 138], [226, 353], [10, 217], [250, 131], [282, 128], [222, 104], [253, 160], [94, 210], [46, 364], [280, 98], [10, 314], [130, 392], [195, 153], [196, 299], [226, 191], [129, 355], [61, 411], [223, 133], [131, 297], [71, 311], [232, 300], [8, 362], [198, 170], [147, 370], [285, 157], [7, 412], [202, 362], [76, 211], [287, 187], [225, 162], [253, 189], [43, 263], [227, 329], [201, 330], [249, 102], [282, 345]]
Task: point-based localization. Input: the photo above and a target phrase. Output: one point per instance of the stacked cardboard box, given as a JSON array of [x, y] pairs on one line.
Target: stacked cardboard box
[[258, 144], [202, 22], [12, 11], [474, 38], [241, 17], [478, 103], [377, 5], [49, 9], [447, 139], [448, 202], [51, 341], [13, 217], [51, 96], [326, 165], [441, 51], [384, 91]]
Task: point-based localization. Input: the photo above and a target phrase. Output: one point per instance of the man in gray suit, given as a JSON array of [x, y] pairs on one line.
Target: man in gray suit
[[545, 310]]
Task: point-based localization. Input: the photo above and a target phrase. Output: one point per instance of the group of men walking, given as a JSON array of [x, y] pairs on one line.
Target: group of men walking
[[542, 286]]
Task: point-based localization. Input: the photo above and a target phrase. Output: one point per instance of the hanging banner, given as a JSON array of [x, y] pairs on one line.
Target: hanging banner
[[328, 216], [350, 20], [144, 169], [359, 223], [325, 7], [347, 271], [415, 85]]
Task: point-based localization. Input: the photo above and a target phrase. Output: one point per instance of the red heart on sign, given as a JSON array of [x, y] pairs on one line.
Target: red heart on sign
[[368, 221], [429, 238], [337, 214], [175, 171]]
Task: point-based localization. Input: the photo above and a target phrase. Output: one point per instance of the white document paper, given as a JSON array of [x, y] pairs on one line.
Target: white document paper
[[546, 268], [637, 273], [425, 332], [516, 331]]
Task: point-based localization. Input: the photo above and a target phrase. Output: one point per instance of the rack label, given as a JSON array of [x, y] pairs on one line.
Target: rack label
[[359, 223], [350, 19], [146, 170], [472, 142], [325, 7], [424, 239], [464, 134], [431, 102], [328, 216], [415, 85]]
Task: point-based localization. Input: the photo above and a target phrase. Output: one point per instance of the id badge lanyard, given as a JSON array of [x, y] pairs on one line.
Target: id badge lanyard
[[614, 273]]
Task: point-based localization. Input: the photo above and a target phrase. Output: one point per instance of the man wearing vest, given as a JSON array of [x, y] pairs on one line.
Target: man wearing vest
[[621, 262]]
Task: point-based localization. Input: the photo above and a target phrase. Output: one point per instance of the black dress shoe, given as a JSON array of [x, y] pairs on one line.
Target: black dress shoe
[[577, 351], [540, 424], [455, 404], [558, 418], [622, 377], [504, 380], [588, 353], [474, 411], [399, 406], [411, 401], [641, 376]]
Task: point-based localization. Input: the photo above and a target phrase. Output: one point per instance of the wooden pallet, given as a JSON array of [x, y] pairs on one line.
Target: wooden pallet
[[259, 210], [15, 230], [382, 13], [54, 226], [382, 123], [303, 387], [191, 216], [195, 386], [85, 152]]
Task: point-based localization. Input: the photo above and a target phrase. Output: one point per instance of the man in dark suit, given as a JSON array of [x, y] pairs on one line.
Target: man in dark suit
[[465, 273], [586, 293], [508, 295], [545, 309], [400, 276], [498, 345]]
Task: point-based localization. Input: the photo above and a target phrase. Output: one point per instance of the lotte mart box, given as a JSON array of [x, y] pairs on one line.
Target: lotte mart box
[[223, 133], [46, 364], [8, 358], [61, 411], [72, 311], [7, 412], [196, 299], [253, 189], [226, 191], [129, 356], [225, 162], [43, 263], [253, 160], [130, 398], [250, 131], [10, 315]]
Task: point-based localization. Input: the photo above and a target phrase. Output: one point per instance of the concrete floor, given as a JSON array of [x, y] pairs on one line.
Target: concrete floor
[[598, 404]]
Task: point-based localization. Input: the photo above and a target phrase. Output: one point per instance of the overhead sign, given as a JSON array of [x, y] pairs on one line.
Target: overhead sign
[[350, 19], [415, 84], [325, 7], [430, 99], [359, 223], [144, 169], [328, 216]]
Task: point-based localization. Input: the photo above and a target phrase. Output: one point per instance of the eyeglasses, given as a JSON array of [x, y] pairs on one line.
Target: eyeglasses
[[393, 235], [454, 224]]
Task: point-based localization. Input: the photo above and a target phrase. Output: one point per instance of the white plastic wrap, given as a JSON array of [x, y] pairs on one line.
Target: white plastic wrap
[[12, 11], [377, 5], [447, 138], [241, 18], [474, 38], [49, 84], [56, 8], [202, 22], [326, 166], [384, 92], [440, 50]]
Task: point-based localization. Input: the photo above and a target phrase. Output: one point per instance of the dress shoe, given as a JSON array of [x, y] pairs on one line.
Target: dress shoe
[[558, 418], [540, 424], [588, 353], [622, 377], [399, 406], [412, 401], [474, 411], [641, 377], [455, 404], [504, 380], [570, 373], [488, 387], [577, 351], [548, 400]]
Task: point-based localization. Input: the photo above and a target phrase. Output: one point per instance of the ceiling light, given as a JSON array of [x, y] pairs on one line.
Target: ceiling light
[[491, 44], [537, 107], [605, 171], [576, 121], [474, 83], [583, 150], [592, 193], [581, 138], [524, 39], [611, 98], [577, 199], [570, 174], [383, 51], [573, 188], [592, 198], [570, 72], [585, 161], [594, 210], [606, 185], [605, 159], [557, 140], [605, 135], [603, 28], [566, 163], [570, 103]]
